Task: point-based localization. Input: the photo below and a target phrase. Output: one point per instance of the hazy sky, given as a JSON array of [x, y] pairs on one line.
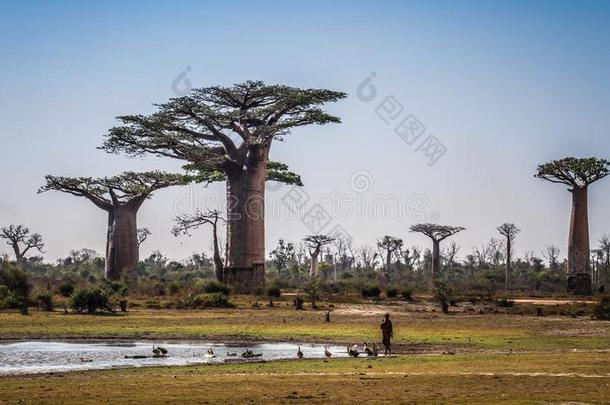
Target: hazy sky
[[502, 85]]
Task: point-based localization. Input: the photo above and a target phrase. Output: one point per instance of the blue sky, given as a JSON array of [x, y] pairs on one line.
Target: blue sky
[[503, 85]]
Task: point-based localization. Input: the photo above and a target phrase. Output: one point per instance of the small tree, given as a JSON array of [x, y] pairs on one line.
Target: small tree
[[390, 246], [437, 233], [185, 223], [315, 243], [21, 240], [17, 285], [444, 295], [577, 174], [312, 289], [509, 231], [282, 255], [273, 292]]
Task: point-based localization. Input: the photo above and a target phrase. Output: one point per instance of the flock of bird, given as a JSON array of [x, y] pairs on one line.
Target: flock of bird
[[352, 351]]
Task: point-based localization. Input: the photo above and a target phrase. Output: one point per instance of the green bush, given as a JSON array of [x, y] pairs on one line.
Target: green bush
[[602, 309], [66, 289], [407, 294], [203, 301], [274, 291], [444, 294], [371, 291], [391, 292], [211, 287], [90, 300], [505, 303], [16, 288], [45, 301]]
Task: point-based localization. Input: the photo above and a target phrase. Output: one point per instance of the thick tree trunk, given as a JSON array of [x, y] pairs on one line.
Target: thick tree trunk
[[122, 251], [313, 264], [245, 269], [508, 267], [578, 274], [436, 258]]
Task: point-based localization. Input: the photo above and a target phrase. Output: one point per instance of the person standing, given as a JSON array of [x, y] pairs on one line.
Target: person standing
[[387, 333]]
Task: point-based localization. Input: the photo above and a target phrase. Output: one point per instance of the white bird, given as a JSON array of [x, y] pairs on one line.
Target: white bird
[[366, 349], [210, 353], [327, 352], [299, 353]]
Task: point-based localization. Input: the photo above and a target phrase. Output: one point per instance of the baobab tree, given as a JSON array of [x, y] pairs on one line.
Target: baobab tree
[[437, 233], [226, 133], [578, 174], [21, 240], [315, 243], [509, 231], [121, 197], [389, 246], [185, 223]]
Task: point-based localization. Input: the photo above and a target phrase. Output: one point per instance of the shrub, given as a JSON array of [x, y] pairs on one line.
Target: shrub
[[216, 287], [407, 294], [66, 289], [90, 300], [17, 287], [371, 291], [203, 301], [45, 301], [273, 292], [505, 303], [391, 292], [174, 287], [312, 289], [602, 309], [444, 294]]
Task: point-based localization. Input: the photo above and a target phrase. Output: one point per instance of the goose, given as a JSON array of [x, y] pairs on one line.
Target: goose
[[210, 353], [327, 352], [156, 351], [85, 360], [162, 350], [299, 353], [231, 354], [366, 349], [353, 351]]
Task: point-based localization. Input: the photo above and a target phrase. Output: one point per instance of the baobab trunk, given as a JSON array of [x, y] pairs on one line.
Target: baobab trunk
[[245, 269], [218, 264], [122, 251], [436, 258], [508, 269], [313, 264], [578, 274]]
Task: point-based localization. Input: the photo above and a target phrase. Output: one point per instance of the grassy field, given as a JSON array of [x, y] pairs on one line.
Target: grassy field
[[498, 357]]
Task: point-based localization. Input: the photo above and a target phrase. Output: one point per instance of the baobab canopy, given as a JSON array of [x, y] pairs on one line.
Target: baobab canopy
[[573, 171]]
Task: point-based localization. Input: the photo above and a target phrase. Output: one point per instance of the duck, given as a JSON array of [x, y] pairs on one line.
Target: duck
[[353, 351], [299, 353], [327, 352], [367, 350], [162, 350], [210, 353], [85, 360], [231, 354], [156, 351]]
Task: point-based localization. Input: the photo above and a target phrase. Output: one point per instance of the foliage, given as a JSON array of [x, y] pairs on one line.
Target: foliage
[[444, 294], [274, 291], [504, 302], [573, 172], [66, 289], [91, 300], [602, 309], [17, 286], [203, 301], [371, 291], [391, 292], [45, 301], [407, 294], [312, 289], [216, 287]]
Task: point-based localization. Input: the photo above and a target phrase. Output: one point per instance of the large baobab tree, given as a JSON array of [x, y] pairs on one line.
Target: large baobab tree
[[437, 233], [577, 174], [225, 133], [184, 223], [21, 240], [315, 243], [121, 197], [389, 246], [509, 231]]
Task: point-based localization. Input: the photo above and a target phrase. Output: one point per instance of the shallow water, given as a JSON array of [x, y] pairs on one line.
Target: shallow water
[[50, 356]]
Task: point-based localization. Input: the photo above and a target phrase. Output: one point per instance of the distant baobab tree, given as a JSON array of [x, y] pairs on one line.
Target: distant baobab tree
[[578, 174], [121, 197], [185, 223], [21, 240], [437, 233], [509, 231], [225, 133], [315, 243]]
